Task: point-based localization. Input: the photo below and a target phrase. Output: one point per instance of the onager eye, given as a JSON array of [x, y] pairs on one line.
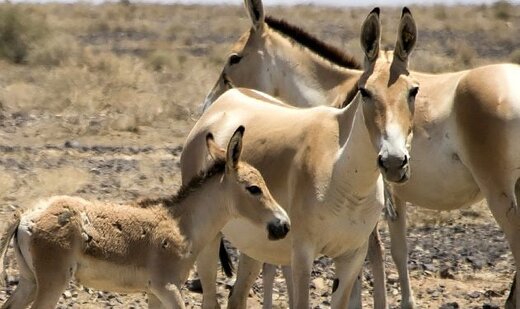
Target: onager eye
[[255, 190], [364, 92], [413, 92], [234, 59]]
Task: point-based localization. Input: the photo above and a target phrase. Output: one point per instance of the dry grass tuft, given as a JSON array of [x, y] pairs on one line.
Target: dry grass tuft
[[19, 32]]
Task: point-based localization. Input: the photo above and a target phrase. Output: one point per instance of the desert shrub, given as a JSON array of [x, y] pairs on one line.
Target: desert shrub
[[515, 56], [159, 60], [19, 32], [502, 9], [54, 50]]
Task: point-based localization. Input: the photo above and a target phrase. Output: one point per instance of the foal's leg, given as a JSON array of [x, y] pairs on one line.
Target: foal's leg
[[348, 266], [268, 274], [25, 292], [207, 269], [153, 301], [399, 249], [248, 270], [169, 295], [51, 279]]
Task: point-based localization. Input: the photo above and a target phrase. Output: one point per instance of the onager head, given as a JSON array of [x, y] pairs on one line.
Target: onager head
[[248, 194], [388, 94]]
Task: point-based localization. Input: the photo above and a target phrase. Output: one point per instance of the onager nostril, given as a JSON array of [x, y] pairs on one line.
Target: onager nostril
[[380, 161], [405, 161]]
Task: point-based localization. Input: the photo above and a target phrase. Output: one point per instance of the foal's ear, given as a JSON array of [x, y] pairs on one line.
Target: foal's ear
[[371, 35], [234, 148], [406, 35], [216, 153], [255, 9]]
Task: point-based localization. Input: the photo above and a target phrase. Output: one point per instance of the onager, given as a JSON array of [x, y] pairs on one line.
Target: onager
[[324, 164], [464, 123], [283, 60], [149, 246]]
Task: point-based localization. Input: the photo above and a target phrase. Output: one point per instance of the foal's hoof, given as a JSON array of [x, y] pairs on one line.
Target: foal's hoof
[[194, 286]]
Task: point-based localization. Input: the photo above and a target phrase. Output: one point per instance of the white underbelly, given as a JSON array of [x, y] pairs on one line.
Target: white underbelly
[[107, 276]]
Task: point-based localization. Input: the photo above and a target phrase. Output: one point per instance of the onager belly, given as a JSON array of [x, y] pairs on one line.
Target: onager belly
[[439, 180], [104, 275]]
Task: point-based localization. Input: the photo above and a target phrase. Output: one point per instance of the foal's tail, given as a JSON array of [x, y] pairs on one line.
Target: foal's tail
[[5, 238]]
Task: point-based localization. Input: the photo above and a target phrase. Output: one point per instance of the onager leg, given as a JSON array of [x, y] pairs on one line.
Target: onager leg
[[268, 274], [25, 292], [377, 263], [301, 264], [169, 295], [153, 301], [51, 282], [399, 249], [348, 266], [287, 274], [504, 207], [375, 257], [207, 269], [248, 270]]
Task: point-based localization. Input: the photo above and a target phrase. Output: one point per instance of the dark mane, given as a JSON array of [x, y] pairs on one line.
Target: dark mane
[[325, 50], [196, 182]]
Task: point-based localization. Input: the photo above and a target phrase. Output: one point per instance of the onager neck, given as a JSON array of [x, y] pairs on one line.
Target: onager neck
[[318, 82], [355, 171], [203, 214]]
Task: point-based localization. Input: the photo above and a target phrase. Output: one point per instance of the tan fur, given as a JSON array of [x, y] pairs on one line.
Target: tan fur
[[124, 248], [464, 126], [321, 164]]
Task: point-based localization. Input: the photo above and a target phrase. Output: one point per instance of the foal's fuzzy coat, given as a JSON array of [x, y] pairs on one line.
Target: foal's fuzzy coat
[[149, 246]]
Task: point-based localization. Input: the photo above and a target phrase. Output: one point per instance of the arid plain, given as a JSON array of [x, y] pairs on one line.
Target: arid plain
[[96, 101]]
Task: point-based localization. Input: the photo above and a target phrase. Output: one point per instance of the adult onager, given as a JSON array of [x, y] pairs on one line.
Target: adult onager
[[283, 60], [443, 134], [323, 164], [149, 246]]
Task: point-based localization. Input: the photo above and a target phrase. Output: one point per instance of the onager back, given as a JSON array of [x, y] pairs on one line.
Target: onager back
[[148, 246]]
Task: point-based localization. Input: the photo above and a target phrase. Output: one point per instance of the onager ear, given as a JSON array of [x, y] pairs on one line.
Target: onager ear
[[371, 35], [255, 9], [234, 148], [406, 35], [216, 153]]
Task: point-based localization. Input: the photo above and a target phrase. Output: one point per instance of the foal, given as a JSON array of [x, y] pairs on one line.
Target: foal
[[149, 248]]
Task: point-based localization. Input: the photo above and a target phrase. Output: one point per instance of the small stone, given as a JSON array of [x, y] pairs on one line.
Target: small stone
[[474, 294], [452, 305], [67, 294], [71, 144], [490, 306], [319, 284]]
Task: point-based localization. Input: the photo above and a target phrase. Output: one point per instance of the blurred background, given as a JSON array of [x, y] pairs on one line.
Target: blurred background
[[96, 100]]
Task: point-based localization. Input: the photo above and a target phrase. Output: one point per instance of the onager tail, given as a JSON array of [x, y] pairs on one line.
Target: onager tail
[[5, 238]]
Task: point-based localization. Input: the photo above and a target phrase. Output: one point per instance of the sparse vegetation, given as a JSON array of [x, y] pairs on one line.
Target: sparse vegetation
[[19, 32], [134, 75]]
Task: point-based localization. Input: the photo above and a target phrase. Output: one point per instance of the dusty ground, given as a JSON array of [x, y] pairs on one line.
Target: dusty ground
[[100, 108]]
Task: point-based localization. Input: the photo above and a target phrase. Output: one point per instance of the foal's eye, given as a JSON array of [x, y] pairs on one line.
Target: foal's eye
[[234, 59], [413, 92], [364, 92], [255, 190]]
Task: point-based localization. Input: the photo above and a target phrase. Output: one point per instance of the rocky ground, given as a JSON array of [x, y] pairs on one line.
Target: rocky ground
[[458, 259]]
